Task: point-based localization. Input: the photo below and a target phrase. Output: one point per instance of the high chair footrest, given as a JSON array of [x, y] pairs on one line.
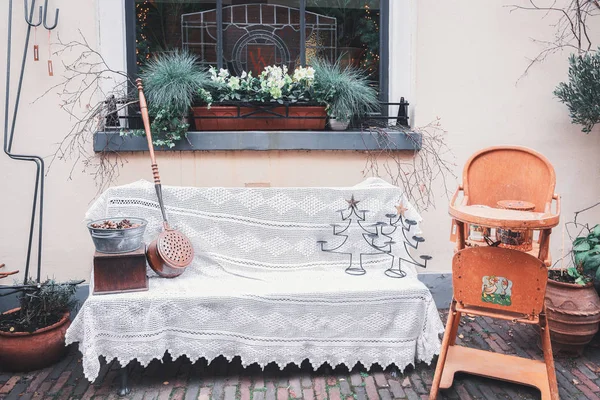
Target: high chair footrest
[[493, 365]]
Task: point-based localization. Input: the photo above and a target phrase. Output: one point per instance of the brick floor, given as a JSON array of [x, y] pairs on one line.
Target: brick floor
[[579, 378]]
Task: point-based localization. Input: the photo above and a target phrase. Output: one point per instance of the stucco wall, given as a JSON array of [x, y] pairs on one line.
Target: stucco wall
[[466, 57]]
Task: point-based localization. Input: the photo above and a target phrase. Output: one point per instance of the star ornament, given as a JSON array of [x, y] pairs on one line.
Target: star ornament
[[401, 209], [352, 203]]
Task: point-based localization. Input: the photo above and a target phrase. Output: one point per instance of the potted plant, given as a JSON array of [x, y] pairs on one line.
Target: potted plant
[[171, 81], [274, 100], [277, 100], [33, 335], [572, 303], [349, 93], [581, 93]]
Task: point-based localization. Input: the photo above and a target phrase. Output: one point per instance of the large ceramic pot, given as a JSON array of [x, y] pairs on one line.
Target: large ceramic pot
[[262, 118], [573, 315], [23, 351]]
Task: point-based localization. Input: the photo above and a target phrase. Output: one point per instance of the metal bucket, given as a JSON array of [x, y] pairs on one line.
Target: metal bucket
[[116, 241]]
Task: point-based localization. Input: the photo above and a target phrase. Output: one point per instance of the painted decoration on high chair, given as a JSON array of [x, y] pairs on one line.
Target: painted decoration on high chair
[[496, 290]]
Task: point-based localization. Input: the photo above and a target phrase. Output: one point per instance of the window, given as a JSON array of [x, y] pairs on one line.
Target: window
[[250, 34]]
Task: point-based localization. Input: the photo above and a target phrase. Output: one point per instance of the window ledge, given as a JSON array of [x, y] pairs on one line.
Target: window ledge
[[268, 140]]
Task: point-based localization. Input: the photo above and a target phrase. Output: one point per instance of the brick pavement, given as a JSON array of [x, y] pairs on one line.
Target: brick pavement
[[579, 378]]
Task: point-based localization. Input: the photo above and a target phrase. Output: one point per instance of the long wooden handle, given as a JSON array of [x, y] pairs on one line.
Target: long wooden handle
[[146, 119]]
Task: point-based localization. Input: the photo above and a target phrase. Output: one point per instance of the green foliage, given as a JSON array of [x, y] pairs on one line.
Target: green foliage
[[168, 127], [579, 279], [171, 80], [274, 84], [346, 90], [581, 93], [586, 257], [174, 81], [41, 306]]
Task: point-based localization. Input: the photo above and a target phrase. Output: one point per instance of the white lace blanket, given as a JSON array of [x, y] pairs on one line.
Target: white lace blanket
[[260, 287]]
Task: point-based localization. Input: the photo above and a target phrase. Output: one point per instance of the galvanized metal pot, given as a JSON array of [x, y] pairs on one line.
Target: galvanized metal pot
[[114, 241], [338, 125]]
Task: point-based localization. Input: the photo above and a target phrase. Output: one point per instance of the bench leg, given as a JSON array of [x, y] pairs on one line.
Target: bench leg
[[123, 382]]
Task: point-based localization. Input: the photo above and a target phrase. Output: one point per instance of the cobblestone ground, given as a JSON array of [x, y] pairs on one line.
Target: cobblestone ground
[[221, 380]]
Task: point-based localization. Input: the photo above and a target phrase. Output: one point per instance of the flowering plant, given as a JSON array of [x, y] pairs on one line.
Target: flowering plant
[[274, 84]]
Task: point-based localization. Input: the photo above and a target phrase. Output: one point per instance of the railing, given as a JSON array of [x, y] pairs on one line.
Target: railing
[[263, 111]]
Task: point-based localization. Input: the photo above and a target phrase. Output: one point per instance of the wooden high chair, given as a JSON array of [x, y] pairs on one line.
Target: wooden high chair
[[500, 282]]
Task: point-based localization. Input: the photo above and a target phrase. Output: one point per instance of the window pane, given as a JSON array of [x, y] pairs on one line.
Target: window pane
[[260, 33], [158, 25], [257, 33], [354, 38]]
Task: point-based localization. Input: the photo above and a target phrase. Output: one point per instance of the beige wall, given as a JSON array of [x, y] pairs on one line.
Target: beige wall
[[466, 56]]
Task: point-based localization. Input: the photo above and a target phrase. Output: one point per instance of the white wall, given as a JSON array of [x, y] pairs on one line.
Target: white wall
[[464, 59]]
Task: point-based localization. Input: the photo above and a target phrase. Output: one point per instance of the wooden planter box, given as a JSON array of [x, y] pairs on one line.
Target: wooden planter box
[[120, 273], [274, 119]]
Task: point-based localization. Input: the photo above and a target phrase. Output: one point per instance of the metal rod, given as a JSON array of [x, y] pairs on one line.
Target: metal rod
[[32, 224], [28, 17], [46, 17], [384, 51], [219, 34], [123, 382], [303, 33], [20, 84], [8, 137]]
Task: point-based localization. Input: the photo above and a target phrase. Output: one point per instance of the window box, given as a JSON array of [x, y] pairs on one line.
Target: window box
[[259, 118]]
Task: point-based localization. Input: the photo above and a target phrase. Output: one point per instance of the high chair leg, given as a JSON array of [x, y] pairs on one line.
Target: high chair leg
[[454, 326], [451, 326], [548, 359]]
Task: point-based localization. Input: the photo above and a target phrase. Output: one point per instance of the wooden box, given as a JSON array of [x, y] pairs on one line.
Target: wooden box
[[119, 273]]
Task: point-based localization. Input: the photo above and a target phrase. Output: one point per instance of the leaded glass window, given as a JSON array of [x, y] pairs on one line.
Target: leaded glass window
[[246, 35]]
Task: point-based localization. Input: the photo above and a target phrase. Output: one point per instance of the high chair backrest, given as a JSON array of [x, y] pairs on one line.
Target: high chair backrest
[[509, 173], [501, 279]]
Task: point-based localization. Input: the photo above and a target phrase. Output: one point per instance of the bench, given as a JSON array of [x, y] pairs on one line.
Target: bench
[[260, 286]]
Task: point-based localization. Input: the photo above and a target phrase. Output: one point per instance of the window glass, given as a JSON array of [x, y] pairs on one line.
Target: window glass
[[260, 33], [356, 36], [158, 24], [257, 33]]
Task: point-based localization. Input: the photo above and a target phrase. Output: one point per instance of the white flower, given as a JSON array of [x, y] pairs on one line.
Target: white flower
[[213, 73], [221, 77], [234, 83], [223, 73], [275, 92], [302, 73], [244, 75], [274, 79]]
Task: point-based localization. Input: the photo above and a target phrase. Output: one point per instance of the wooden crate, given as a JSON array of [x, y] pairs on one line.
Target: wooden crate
[[120, 273]]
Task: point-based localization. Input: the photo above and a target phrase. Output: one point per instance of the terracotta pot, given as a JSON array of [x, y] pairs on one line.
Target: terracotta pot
[[259, 124], [573, 315], [24, 351]]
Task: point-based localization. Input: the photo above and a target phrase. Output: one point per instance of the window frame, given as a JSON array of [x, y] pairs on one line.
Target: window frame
[[384, 25]]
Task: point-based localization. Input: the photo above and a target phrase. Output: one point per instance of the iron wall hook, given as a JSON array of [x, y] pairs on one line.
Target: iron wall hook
[[46, 17], [29, 17]]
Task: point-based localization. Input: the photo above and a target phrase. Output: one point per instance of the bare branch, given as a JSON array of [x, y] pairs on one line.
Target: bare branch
[[571, 28], [418, 172], [85, 90]]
